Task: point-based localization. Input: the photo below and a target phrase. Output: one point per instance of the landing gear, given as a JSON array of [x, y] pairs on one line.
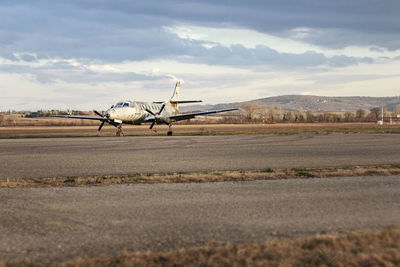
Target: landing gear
[[169, 130], [119, 131]]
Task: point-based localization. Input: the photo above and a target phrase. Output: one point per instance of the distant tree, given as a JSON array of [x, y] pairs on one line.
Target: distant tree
[[375, 114], [1, 119], [271, 114], [336, 117], [298, 115], [279, 113], [288, 116], [250, 109], [309, 116], [328, 117], [264, 114], [360, 114], [349, 116]]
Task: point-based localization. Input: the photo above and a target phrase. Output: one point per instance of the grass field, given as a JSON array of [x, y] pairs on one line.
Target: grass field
[[203, 129], [361, 248]]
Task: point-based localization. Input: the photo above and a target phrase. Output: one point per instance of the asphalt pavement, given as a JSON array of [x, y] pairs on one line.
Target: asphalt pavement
[[61, 223], [66, 157]]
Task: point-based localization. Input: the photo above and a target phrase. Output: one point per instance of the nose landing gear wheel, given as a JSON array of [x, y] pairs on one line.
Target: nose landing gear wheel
[[169, 133]]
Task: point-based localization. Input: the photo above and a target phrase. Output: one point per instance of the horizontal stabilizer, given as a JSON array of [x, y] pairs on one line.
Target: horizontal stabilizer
[[179, 101], [185, 101]]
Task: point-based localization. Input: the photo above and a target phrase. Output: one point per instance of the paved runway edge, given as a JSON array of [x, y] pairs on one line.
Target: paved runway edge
[[66, 222]]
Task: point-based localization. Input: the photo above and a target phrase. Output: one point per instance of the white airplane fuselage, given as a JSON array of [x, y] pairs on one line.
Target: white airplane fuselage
[[134, 112]]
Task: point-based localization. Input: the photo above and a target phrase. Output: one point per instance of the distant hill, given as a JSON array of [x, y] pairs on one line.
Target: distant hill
[[312, 103]]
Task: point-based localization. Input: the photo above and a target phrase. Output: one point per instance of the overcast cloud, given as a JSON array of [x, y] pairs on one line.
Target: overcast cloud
[[60, 47]]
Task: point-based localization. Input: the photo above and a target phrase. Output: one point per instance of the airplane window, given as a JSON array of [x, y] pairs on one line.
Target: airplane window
[[119, 104], [126, 104]]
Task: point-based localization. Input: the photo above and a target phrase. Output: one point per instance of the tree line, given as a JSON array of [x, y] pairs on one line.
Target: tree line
[[254, 113]]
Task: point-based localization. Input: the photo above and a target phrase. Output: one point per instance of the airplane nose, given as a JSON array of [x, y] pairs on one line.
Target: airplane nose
[[110, 114]]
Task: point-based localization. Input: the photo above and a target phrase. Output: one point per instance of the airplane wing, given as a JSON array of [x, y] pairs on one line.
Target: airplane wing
[[79, 117], [180, 117]]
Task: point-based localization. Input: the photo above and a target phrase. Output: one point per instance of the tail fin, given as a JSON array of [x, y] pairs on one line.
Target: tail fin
[[175, 97], [174, 101]]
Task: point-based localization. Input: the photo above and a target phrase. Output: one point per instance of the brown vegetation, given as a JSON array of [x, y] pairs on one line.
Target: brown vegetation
[[200, 129], [16, 120], [252, 112], [205, 177], [358, 248]]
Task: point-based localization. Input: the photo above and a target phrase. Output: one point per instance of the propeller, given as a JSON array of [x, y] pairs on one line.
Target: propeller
[[98, 113], [101, 126], [105, 119], [157, 118]]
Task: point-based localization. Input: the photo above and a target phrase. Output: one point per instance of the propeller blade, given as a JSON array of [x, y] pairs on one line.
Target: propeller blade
[[162, 108], [98, 113], [101, 126], [149, 111], [112, 123], [156, 118]]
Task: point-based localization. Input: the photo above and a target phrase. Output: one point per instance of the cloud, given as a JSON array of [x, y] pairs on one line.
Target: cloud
[[238, 56], [242, 57], [93, 44], [27, 58], [114, 31], [338, 38], [64, 71]]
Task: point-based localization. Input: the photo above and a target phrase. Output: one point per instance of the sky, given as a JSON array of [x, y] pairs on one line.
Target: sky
[[88, 54]]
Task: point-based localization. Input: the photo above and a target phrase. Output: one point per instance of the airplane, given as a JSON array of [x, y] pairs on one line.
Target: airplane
[[136, 113]]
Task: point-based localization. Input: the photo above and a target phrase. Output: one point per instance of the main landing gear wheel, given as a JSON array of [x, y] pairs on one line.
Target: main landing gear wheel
[[169, 130], [119, 131]]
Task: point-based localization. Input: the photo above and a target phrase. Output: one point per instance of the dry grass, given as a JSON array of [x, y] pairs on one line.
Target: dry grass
[[359, 248], [17, 120], [202, 177], [205, 129]]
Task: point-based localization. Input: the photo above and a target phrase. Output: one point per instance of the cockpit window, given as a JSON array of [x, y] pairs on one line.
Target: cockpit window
[[119, 104], [126, 104]]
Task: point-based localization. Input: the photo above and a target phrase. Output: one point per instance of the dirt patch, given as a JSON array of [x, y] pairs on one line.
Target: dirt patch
[[205, 177]]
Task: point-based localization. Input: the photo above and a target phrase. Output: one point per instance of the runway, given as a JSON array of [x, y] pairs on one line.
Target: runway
[[60, 223], [66, 157]]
